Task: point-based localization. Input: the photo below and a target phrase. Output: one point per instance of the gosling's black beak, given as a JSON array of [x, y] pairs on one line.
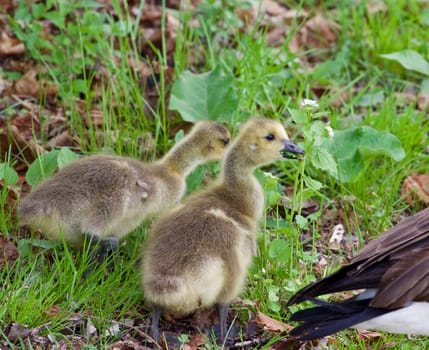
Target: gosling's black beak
[[291, 151]]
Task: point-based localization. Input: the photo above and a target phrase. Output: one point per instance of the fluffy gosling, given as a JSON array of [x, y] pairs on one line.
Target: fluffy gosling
[[102, 198], [198, 253]]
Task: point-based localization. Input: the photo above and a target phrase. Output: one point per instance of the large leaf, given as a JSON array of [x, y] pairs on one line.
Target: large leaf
[[376, 142], [43, 167], [65, 157], [279, 250], [323, 160], [410, 60], [350, 146], [209, 95], [8, 174]]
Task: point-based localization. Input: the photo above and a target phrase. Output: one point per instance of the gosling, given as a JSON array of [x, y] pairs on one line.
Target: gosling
[[391, 273], [197, 254], [102, 198]]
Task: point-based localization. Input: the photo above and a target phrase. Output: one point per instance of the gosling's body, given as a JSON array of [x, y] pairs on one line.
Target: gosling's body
[[109, 196], [197, 254]]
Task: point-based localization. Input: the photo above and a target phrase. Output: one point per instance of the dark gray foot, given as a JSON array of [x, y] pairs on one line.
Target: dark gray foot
[[223, 316], [107, 247], [156, 315], [101, 250]]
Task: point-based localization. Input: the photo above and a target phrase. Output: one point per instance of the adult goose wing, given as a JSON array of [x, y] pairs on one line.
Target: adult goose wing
[[394, 271], [368, 267]]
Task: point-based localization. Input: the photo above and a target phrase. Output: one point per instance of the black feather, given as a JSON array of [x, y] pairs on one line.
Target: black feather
[[328, 318]]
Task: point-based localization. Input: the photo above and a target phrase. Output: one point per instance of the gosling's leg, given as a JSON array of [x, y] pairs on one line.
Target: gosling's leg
[[156, 315], [101, 248], [108, 246], [223, 316]]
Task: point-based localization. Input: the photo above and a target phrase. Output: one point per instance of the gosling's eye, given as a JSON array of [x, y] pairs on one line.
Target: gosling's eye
[[270, 137], [225, 141]]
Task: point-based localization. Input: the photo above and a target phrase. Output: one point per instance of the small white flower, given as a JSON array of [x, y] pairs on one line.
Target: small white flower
[[309, 103], [329, 130]]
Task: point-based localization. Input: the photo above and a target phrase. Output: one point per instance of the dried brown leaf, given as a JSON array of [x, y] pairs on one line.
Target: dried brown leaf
[[8, 252], [53, 311], [10, 46], [16, 331], [415, 189], [7, 6], [20, 147], [375, 6], [318, 32], [204, 317], [369, 335], [270, 324], [423, 101], [195, 342], [10, 201], [127, 345], [29, 85], [4, 85]]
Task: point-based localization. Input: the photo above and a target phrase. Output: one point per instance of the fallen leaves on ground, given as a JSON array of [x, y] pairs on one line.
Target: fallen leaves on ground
[[8, 252], [269, 324], [415, 189]]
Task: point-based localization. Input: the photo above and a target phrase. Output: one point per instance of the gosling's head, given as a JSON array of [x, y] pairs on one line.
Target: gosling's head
[[263, 141], [210, 139]]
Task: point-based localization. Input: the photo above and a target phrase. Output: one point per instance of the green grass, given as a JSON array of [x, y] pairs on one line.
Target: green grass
[[269, 81]]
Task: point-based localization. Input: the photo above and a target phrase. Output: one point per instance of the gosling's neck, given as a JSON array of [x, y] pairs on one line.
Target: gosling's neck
[[239, 183], [181, 158], [237, 173]]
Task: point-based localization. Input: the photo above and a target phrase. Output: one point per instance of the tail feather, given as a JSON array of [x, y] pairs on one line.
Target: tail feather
[[346, 278], [328, 318]]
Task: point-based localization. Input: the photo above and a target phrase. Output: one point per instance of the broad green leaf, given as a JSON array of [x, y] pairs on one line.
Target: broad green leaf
[[195, 179], [424, 16], [322, 159], [376, 142], [79, 86], [299, 116], [42, 167], [208, 95], [312, 183], [424, 87], [57, 18], [25, 245], [410, 59], [179, 136], [349, 168], [301, 221], [279, 250], [38, 10], [317, 132], [348, 147], [8, 174], [274, 306], [273, 298], [271, 186], [65, 157], [327, 70]]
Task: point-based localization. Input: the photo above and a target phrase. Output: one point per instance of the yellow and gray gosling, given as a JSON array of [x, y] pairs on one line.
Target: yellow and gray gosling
[[102, 198], [197, 254]]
